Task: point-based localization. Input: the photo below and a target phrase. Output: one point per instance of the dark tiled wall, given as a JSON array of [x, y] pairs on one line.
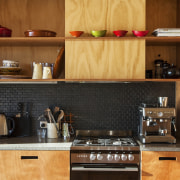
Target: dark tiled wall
[[95, 106]]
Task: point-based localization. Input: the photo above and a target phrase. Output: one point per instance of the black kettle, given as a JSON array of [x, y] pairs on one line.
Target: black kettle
[[7, 125]]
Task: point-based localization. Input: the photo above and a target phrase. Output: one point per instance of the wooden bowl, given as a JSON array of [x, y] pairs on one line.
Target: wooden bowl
[[39, 33]]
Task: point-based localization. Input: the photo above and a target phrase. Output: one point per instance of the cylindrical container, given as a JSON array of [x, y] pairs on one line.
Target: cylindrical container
[[47, 74], [65, 130], [163, 101], [158, 68], [37, 71], [51, 130]]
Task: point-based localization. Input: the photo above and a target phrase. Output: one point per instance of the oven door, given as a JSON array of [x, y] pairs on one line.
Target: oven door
[[104, 172]]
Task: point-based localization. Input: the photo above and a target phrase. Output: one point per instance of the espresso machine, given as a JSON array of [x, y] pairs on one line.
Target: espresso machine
[[155, 124]]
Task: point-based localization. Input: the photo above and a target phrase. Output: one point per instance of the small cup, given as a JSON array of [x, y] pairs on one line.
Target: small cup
[[41, 133]]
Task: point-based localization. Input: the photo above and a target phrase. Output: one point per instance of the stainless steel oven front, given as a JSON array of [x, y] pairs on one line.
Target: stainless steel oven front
[[105, 165]]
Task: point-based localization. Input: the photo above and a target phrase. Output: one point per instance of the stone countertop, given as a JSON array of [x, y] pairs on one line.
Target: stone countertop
[[35, 143], [160, 147]]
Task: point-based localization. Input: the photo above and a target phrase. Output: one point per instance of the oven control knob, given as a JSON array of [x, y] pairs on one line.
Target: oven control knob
[[123, 157], [117, 157], [92, 157], [99, 157], [109, 157], [130, 157]]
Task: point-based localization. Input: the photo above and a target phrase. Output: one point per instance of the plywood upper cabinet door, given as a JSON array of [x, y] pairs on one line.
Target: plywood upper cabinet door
[[87, 15], [154, 168], [47, 165], [107, 59]]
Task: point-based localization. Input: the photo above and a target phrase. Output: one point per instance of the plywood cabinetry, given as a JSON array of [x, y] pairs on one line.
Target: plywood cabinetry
[[160, 165], [106, 59], [103, 58], [36, 165]]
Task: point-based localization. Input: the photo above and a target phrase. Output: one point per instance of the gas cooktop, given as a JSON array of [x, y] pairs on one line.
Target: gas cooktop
[[103, 140], [108, 141]]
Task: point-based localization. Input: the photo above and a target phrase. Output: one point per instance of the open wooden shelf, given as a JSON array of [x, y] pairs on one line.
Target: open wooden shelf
[[29, 41], [54, 81]]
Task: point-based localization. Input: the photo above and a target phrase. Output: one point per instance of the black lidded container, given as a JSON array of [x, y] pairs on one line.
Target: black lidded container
[[23, 124], [158, 68]]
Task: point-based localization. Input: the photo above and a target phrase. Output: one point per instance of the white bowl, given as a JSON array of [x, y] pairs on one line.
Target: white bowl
[[9, 63]]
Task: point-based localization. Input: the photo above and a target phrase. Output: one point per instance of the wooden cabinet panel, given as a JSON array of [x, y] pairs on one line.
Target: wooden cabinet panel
[[155, 169], [107, 59], [21, 15], [87, 15], [49, 165]]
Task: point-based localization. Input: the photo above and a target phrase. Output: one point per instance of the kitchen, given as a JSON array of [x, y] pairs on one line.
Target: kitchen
[[96, 102]]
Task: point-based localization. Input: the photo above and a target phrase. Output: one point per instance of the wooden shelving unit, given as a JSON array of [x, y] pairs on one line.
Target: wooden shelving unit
[[32, 41]]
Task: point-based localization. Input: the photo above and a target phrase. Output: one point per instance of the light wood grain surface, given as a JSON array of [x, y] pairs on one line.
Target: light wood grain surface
[[105, 59], [21, 15], [111, 15], [155, 169], [49, 165]]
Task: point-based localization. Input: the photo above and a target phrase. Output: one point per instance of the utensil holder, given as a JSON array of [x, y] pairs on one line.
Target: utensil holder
[[51, 130]]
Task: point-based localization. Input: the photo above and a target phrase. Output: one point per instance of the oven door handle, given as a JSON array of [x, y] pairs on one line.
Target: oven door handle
[[105, 169]]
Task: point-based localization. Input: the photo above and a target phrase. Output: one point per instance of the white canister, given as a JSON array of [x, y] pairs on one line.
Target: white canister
[[51, 130], [47, 74]]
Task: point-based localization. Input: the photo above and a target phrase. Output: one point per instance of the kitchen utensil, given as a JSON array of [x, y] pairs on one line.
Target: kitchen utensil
[[39, 33], [61, 115], [120, 33], [5, 32], [51, 118], [163, 101], [76, 33], [100, 33], [7, 125], [58, 66], [140, 33], [10, 63]]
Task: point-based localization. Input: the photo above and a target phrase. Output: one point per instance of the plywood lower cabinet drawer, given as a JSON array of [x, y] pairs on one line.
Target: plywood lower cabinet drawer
[[34, 165], [158, 165]]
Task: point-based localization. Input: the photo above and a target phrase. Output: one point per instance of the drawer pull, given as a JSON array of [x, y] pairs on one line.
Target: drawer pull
[[29, 157], [167, 158]]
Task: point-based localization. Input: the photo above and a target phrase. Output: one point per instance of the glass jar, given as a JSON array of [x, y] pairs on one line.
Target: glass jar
[[158, 68]]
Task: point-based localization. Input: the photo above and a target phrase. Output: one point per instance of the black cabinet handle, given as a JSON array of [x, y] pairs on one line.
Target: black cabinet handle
[[167, 158], [29, 157]]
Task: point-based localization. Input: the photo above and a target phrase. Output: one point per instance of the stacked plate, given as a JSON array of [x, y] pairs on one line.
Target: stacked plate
[[10, 67]]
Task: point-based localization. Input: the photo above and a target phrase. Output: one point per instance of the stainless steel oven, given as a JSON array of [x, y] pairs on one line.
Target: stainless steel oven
[[105, 157]]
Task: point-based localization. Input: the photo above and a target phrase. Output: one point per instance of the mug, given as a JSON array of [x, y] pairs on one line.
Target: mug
[[47, 74], [51, 130]]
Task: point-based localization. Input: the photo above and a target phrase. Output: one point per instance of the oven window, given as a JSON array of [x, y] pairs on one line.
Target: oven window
[[97, 172]]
